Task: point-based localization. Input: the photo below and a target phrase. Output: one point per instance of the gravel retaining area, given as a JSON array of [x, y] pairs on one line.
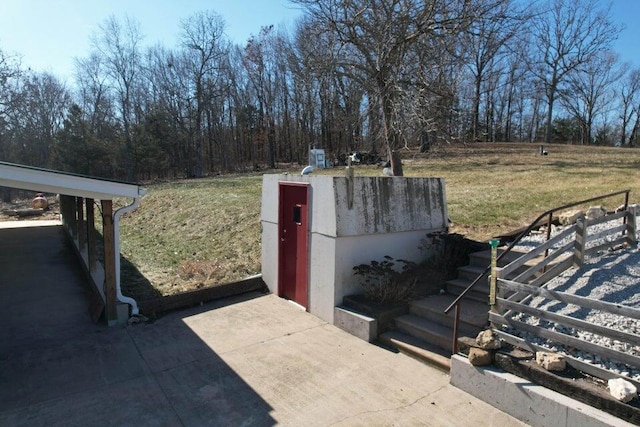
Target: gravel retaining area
[[606, 275]]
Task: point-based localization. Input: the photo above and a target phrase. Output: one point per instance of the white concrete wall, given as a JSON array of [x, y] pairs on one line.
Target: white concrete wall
[[387, 205], [322, 275], [389, 216]]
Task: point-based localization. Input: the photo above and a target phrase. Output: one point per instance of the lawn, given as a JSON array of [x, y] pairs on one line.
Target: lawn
[[194, 233]]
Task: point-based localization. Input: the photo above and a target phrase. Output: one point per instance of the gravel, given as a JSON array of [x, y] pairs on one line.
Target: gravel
[[612, 276]]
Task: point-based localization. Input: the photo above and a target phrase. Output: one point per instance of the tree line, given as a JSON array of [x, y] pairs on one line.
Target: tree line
[[370, 75]]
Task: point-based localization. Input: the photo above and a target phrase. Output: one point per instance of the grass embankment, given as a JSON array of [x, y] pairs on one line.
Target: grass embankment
[[194, 233]]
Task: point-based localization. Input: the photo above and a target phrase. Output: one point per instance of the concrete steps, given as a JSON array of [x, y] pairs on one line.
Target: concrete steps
[[426, 331]]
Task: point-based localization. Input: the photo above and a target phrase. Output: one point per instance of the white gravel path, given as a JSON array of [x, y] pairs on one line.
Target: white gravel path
[[606, 276]]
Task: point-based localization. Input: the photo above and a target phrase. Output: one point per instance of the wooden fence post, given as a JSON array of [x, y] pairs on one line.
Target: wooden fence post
[[580, 243], [631, 227]]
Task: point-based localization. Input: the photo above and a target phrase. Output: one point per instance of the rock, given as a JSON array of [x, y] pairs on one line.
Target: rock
[[595, 212], [622, 390], [480, 357], [551, 361], [569, 217], [488, 340]]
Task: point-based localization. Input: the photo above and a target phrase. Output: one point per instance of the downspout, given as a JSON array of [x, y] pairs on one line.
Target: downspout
[[116, 225]]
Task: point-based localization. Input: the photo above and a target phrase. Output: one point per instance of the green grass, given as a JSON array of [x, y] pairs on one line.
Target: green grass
[[194, 233]]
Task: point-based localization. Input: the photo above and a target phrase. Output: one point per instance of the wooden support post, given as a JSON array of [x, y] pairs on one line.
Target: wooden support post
[[63, 210], [91, 236], [580, 243], [82, 231], [108, 233], [631, 227], [73, 217]]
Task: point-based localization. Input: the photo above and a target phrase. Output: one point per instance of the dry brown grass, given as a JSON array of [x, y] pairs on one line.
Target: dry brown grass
[[195, 233]]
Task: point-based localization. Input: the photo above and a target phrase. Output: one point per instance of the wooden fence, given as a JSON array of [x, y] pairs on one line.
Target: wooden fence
[[530, 273]]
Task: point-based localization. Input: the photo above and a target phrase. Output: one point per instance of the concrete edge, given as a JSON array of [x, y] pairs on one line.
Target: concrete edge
[[524, 400], [357, 324]]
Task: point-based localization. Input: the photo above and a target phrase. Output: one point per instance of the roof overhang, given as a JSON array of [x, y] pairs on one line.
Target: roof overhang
[[51, 181]]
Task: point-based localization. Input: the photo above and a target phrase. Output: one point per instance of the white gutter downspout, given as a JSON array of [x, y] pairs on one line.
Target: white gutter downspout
[[116, 226]]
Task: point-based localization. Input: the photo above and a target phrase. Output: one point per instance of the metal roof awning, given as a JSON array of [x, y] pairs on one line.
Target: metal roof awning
[[52, 181], [70, 186]]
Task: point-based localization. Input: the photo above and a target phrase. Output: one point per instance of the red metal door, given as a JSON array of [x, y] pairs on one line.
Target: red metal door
[[293, 232]]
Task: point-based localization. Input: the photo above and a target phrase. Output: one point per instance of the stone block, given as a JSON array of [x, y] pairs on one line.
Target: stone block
[[480, 357], [569, 217], [551, 361], [595, 212], [622, 390], [488, 340]]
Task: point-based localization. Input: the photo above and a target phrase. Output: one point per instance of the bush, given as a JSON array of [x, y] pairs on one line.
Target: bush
[[382, 282]]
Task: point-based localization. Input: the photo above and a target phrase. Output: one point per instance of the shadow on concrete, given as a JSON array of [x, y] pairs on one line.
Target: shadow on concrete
[[59, 368]]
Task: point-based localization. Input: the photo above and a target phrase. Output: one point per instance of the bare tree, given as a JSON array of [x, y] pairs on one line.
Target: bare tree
[[117, 44], [588, 90], [94, 96], [376, 38], [629, 94], [261, 69], [485, 43], [204, 53], [566, 36], [10, 73], [47, 100]]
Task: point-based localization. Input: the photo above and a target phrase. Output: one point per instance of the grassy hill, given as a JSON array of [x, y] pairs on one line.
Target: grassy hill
[[194, 233]]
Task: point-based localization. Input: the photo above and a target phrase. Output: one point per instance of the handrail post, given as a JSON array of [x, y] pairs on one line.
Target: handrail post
[[549, 221], [494, 265], [456, 320]]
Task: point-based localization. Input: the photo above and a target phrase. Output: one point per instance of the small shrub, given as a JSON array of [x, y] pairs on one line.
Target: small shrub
[[383, 282]]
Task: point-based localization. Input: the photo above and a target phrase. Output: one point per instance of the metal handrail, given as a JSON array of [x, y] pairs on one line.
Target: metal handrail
[[549, 214]]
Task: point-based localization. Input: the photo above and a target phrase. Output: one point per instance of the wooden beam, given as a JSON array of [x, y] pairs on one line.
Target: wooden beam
[[82, 231], [91, 236], [567, 340], [619, 309], [108, 233], [580, 365], [631, 228], [571, 322]]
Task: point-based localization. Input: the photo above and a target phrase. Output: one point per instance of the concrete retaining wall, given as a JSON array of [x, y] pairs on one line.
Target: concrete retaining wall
[[526, 401]]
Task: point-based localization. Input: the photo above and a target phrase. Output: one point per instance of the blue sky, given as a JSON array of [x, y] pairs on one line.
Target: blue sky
[[49, 34]]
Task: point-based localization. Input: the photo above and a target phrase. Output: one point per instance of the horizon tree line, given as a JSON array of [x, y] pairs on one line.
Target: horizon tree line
[[368, 75]]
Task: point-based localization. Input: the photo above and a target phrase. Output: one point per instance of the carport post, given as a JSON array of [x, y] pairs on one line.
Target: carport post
[[91, 235], [82, 231], [73, 217], [108, 233]]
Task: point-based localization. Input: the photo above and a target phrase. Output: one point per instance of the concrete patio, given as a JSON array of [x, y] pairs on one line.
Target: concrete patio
[[250, 360]]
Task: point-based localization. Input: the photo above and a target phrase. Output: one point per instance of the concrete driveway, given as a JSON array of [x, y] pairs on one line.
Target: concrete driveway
[[250, 360]]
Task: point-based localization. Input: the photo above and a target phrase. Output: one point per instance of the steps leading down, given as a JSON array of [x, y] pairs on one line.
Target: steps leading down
[[426, 332]]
